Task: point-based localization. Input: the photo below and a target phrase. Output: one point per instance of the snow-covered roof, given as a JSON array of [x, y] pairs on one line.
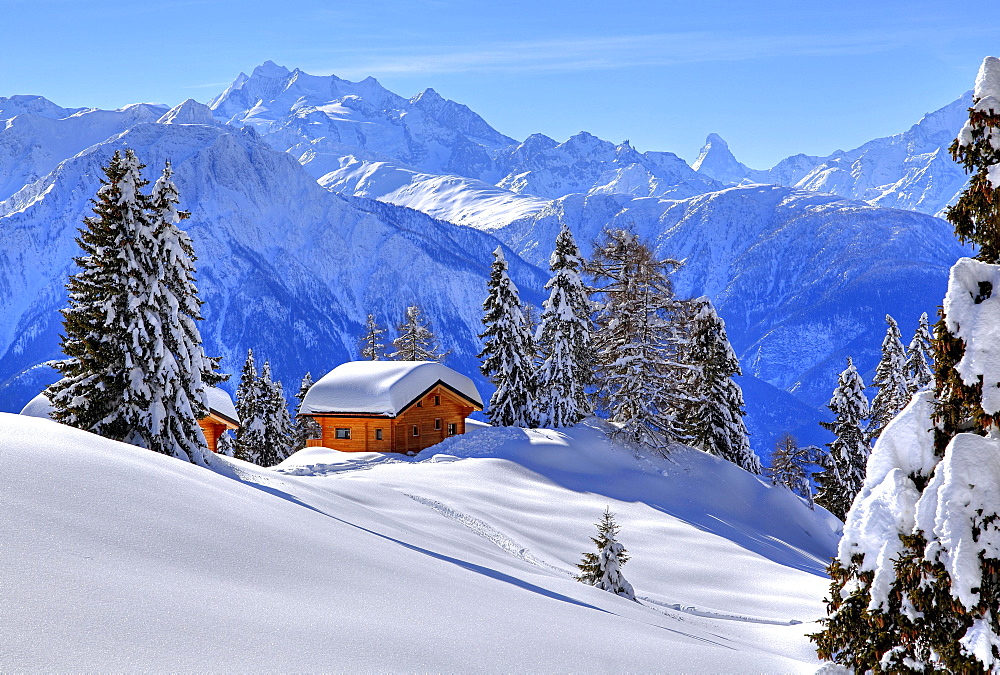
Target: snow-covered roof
[[218, 401], [38, 407], [382, 387]]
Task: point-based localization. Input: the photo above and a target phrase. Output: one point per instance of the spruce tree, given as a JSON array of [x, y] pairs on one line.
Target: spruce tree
[[713, 420], [790, 467], [508, 355], [93, 393], [305, 428], [603, 569], [932, 606], [416, 341], [891, 381], [844, 466], [250, 405], [136, 370], [277, 428], [371, 346], [565, 339], [918, 355], [637, 360]]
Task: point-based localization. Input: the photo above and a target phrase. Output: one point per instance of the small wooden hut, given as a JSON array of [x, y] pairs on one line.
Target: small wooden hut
[[389, 406], [221, 417]]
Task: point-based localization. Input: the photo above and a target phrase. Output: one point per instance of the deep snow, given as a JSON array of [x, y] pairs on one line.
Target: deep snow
[[460, 558]]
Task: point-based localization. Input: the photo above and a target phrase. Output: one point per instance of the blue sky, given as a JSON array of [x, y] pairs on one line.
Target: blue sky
[[773, 78]]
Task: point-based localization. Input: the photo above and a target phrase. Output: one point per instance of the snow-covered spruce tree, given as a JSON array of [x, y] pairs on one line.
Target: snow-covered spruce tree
[[416, 342], [93, 392], [844, 466], [918, 356], [508, 355], [891, 381], [304, 428], [791, 467], [916, 584], [136, 369], [250, 405], [277, 431], [565, 340], [370, 344], [180, 372], [638, 368], [713, 421], [603, 569]]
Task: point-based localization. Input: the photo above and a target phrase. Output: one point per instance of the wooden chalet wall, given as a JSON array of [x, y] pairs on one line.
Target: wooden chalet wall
[[213, 427], [397, 433]]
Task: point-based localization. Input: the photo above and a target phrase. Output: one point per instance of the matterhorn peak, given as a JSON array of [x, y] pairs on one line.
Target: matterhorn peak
[[188, 112], [717, 161]]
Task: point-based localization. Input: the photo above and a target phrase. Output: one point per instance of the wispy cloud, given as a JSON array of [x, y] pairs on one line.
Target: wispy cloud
[[623, 51]]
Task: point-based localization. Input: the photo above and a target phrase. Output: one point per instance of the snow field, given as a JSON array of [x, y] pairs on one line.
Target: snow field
[[458, 559]]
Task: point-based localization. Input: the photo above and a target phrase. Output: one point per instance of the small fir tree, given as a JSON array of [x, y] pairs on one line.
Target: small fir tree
[[791, 467], [713, 422], [637, 360], [918, 357], [508, 355], [891, 381], [565, 339], [371, 345], [844, 466], [305, 428], [603, 569], [416, 341]]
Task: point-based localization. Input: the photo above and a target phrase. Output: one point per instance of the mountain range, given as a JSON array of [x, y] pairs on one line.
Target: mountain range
[[316, 200]]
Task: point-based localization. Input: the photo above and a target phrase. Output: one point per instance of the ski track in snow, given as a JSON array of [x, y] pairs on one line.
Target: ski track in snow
[[487, 532], [360, 464], [714, 614]]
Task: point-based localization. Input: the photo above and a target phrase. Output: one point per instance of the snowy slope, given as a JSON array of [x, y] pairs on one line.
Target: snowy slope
[[911, 170], [459, 559], [285, 266]]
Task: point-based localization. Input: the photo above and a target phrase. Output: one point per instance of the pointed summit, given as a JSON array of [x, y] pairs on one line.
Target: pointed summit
[[271, 69], [717, 161], [188, 112]]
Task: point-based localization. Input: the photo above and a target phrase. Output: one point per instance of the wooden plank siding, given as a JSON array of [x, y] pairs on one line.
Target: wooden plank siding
[[213, 427], [397, 433]]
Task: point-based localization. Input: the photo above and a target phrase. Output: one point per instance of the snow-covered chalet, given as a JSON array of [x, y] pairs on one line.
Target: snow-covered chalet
[[221, 414], [389, 406]]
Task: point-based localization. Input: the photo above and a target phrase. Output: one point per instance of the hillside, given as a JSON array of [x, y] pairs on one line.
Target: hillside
[[457, 558]]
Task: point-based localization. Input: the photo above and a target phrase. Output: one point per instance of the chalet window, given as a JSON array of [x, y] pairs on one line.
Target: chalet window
[[452, 428], [344, 433], [437, 400], [437, 423], [416, 430], [378, 434], [420, 404]]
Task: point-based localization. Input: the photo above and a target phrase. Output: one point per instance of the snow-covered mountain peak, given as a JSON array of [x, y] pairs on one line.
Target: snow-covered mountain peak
[[33, 105], [188, 112], [716, 160], [271, 69]]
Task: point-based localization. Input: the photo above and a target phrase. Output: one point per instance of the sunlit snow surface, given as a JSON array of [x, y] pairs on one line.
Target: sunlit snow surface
[[458, 559]]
